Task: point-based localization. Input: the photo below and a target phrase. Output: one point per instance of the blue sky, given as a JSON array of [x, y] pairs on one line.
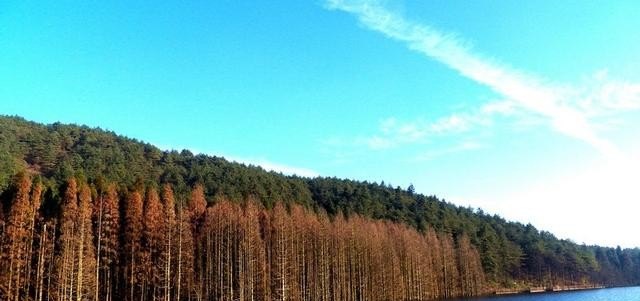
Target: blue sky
[[529, 110]]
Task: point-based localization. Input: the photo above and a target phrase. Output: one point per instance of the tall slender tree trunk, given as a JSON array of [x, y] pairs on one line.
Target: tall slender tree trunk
[[40, 265], [167, 276], [98, 252], [132, 274], [80, 281], [178, 296]]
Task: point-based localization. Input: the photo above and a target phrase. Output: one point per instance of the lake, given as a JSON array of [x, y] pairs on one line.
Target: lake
[[608, 294]]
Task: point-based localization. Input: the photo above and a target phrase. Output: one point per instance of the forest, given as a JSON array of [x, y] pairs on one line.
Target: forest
[[152, 250], [86, 214]]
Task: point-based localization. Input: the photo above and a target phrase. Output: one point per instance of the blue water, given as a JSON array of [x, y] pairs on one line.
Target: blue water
[[607, 294]]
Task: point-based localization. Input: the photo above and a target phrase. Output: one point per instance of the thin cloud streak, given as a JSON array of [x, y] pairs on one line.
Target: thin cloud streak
[[394, 133], [529, 92]]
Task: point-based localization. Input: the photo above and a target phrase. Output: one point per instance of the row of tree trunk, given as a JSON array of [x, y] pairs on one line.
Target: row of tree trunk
[[143, 245]]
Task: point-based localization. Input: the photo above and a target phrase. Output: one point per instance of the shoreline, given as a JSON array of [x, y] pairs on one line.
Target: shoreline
[[545, 289]]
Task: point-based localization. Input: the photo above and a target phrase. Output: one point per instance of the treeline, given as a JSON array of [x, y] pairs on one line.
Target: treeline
[[510, 252], [142, 244]]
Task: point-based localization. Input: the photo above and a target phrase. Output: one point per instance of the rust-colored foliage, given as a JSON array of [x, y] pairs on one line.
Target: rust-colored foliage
[[67, 244], [85, 260], [13, 257], [107, 219], [75, 262], [161, 250], [197, 205], [153, 245], [133, 253], [168, 232]]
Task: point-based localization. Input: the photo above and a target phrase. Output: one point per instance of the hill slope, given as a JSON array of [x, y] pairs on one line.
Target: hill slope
[[509, 251]]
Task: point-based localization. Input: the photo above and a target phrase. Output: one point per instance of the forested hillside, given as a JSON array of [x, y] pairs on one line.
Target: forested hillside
[[172, 225]]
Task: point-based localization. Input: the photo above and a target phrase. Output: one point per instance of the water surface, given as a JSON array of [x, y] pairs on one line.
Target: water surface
[[607, 294]]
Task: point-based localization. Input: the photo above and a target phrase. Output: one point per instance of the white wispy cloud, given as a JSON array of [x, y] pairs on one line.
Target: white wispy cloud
[[394, 133], [566, 107], [599, 94]]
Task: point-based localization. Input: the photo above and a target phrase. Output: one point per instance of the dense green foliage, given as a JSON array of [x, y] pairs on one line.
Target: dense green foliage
[[510, 251]]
